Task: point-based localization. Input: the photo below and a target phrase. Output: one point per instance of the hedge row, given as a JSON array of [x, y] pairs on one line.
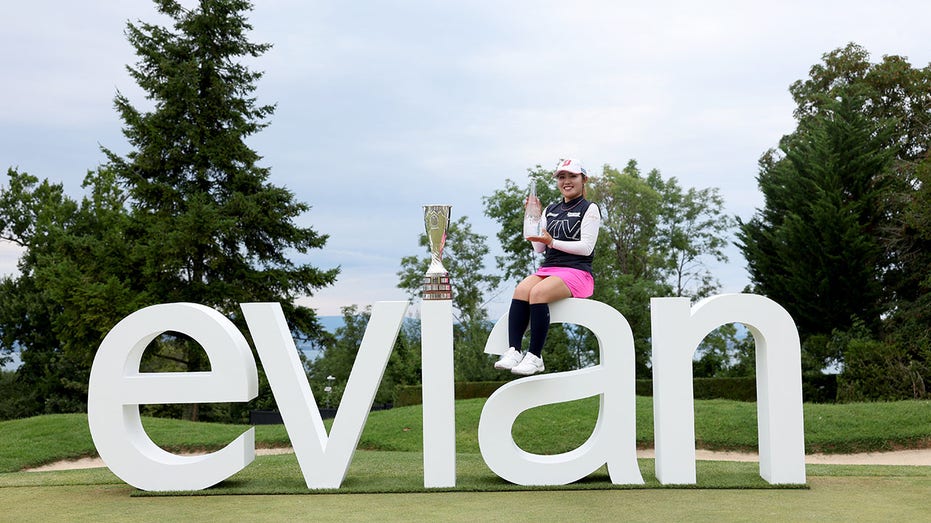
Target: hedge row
[[815, 389], [411, 394]]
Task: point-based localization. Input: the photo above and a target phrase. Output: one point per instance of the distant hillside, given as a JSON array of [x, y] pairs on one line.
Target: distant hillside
[[330, 323]]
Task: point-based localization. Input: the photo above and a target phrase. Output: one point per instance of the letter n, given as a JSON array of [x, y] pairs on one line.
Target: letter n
[[677, 331]]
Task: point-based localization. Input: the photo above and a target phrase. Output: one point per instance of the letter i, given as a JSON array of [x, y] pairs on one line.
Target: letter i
[[439, 407]]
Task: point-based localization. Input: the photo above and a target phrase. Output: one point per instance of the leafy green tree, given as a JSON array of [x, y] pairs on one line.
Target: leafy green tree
[[867, 127], [875, 370], [16, 400], [694, 229], [73, 284], [631, 211], [186, 215], [339, 356], [208, 225], [722, 354], [813, 247], [404, 365], [506, 206], [890, 90], [659, 232], [463, 257], [908, 328], [655, 240], [629, 262], [894, 92]]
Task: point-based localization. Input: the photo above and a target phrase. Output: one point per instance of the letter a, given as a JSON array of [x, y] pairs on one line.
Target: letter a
[[614, 439]]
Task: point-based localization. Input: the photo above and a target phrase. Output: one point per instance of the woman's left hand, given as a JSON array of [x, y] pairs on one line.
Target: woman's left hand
[[544, 238]]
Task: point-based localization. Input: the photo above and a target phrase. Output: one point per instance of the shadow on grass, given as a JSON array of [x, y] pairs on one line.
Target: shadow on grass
[[384, 472], [402, 472]]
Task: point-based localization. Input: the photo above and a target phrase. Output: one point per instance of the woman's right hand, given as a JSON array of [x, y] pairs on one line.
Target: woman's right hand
[[543, 238], [531, 198]]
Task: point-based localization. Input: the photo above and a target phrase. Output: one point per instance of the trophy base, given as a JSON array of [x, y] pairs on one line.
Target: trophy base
[[436, 287]]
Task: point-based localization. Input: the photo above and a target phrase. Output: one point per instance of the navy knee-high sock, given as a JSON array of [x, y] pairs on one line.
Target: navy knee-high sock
[[518, 318], [539, 327]]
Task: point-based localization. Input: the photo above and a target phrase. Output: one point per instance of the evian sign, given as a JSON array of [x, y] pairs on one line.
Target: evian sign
[[117, 388]]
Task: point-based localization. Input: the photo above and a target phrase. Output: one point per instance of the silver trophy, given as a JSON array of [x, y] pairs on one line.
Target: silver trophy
[[436, 284]]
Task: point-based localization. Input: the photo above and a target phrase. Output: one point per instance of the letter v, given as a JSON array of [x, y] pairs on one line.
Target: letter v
[[323, 461]]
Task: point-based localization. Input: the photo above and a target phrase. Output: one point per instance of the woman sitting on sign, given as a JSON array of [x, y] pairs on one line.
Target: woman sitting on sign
[[569, 230]]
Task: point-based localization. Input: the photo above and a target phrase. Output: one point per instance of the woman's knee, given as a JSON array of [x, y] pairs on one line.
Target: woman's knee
[[523, 289], [553, 289], [538, 296]]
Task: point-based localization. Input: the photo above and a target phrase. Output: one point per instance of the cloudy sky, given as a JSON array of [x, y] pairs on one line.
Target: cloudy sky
[[384, 106]]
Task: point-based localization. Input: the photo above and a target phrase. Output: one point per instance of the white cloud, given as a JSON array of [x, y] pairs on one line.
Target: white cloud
[[385, 106]]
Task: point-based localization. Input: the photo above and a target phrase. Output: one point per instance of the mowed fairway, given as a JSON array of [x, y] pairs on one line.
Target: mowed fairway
[[390, 460], [828, 499]]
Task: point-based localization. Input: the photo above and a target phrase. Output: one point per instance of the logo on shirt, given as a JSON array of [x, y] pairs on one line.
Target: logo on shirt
[[565, 229]]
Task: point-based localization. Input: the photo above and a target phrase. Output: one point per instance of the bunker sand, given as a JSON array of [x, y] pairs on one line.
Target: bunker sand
[[916, 457]]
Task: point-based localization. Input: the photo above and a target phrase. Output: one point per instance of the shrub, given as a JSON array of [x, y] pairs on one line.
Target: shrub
[[878, 371]]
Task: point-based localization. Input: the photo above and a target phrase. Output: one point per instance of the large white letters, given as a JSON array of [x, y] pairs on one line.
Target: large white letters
[[677, 331], [323, 460], [614, 439], [117, 388], [439, 390]]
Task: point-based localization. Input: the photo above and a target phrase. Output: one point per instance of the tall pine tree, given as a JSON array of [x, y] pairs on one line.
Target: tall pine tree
[[208, 225], [814, 246], [843, 232], [187, 215]]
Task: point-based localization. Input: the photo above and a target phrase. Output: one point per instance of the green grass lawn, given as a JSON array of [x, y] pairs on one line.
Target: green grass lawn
[[265, 492], [830, 499], [390, 460], [719, 424]]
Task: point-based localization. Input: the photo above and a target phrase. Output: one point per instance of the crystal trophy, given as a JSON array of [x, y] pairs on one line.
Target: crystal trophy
[[532, 213]]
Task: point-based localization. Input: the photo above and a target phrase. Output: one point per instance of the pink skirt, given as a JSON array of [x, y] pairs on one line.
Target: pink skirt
[[581, 284]]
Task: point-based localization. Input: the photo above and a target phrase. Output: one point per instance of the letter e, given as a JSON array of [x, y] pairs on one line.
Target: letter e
[[117, 388]]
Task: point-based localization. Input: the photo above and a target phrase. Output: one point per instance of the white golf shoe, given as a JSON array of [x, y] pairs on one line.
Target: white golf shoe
[[509, 359], [529, 365]]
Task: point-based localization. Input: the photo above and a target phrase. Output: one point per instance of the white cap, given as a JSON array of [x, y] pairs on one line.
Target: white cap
[[571, 165]]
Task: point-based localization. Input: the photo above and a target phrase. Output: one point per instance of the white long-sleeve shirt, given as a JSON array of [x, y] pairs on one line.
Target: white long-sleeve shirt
[[566, 238]]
